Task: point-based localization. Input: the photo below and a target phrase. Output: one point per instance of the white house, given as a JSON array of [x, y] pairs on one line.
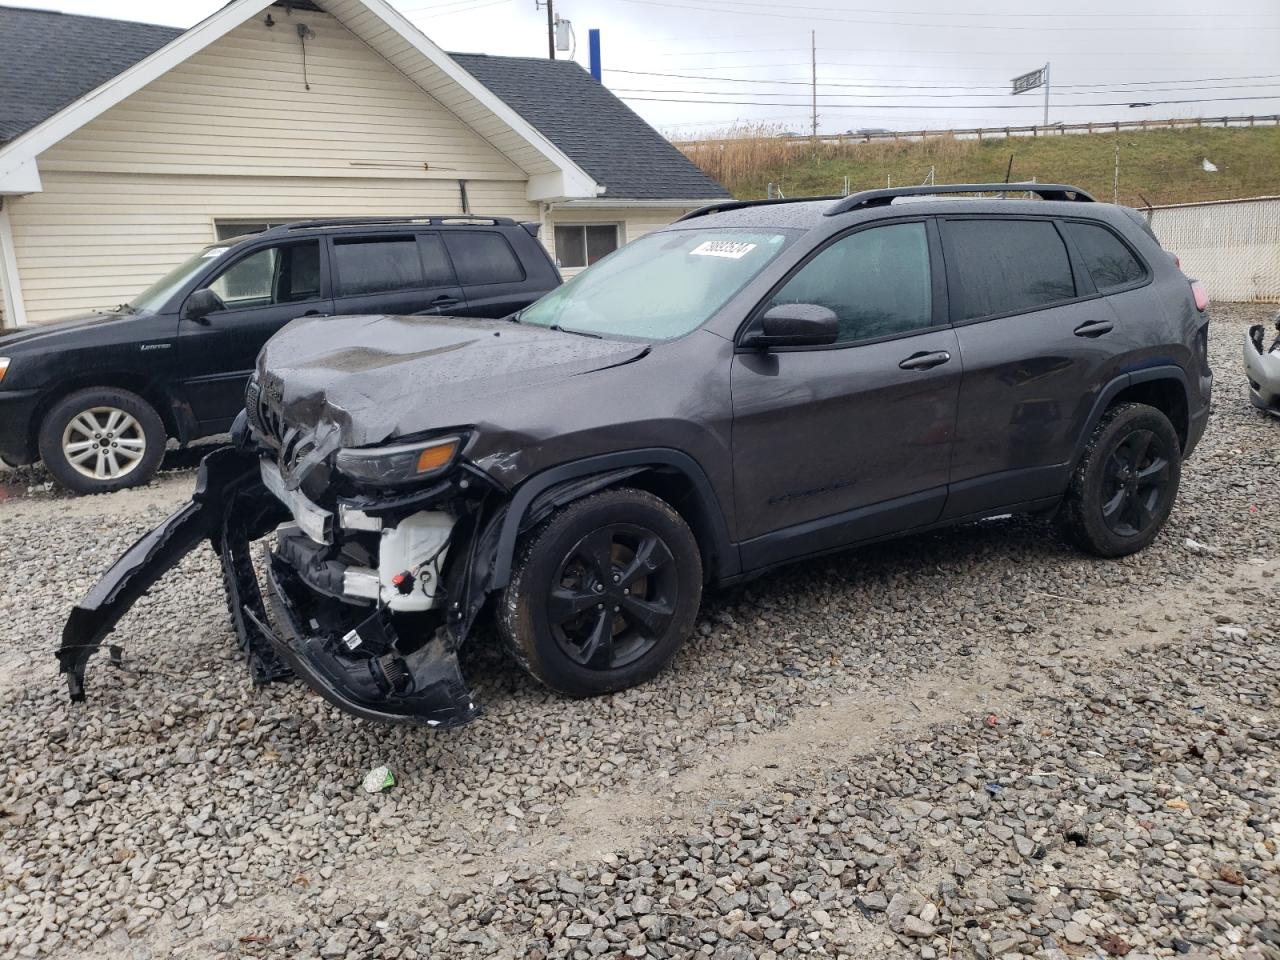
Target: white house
[[124, 147]]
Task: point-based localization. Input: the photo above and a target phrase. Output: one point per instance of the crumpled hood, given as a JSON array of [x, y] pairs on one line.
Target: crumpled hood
[[357, 381]]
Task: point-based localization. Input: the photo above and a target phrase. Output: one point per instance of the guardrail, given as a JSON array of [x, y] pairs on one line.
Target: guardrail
[[983, 133]]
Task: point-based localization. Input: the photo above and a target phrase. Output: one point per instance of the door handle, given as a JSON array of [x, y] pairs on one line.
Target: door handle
[[315, 313], [445, 301], [1094, 328], [925, 360]]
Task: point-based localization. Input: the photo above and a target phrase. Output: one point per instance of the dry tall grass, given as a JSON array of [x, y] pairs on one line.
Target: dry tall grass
[[1159, 165]]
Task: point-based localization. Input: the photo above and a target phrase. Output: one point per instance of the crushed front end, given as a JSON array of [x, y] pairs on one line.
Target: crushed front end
[[1262, 367], [371, 572]]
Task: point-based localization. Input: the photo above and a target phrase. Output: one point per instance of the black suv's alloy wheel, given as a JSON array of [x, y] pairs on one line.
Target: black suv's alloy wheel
[[1124, 487], [603, 593]]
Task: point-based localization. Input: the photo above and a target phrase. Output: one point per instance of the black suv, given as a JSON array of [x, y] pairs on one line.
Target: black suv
[[95, 397], [756, 383]]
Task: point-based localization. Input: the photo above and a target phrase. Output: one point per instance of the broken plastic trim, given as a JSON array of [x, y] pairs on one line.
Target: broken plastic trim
[[225, 475]]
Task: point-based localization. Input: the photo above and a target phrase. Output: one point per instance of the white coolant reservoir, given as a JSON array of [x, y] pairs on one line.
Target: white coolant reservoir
[[414, 548]]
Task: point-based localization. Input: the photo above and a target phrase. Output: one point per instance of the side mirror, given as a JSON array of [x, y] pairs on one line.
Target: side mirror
[[200, 304], [796, 325]]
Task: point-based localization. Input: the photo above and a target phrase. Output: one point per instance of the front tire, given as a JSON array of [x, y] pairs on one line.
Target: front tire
[[102, 439], [1124, 487], [603, 593]]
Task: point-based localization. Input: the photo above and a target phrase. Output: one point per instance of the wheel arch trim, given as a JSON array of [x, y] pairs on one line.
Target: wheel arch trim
[[1119, 384], [612, 468]]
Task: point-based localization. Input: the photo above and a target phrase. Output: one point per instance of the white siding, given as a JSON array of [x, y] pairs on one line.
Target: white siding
[[95, 240], [635, 223], [241, 107]]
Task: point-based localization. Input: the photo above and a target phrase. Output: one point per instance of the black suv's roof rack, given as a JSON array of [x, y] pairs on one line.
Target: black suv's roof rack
[[431, 219], [880, 198], [739, 204]]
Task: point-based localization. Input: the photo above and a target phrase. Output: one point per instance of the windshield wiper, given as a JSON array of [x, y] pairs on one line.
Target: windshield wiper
[[125, 308], [514, 317], [577, 333]]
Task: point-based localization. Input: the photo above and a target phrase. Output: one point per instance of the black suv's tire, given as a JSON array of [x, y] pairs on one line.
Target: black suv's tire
[[1125, 485], [102, 439], [603, 593]]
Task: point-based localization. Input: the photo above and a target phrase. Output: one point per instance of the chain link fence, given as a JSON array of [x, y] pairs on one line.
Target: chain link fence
[[1232, 246]]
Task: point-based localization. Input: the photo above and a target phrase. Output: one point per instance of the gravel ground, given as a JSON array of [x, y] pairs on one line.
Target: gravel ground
[[974, 743]]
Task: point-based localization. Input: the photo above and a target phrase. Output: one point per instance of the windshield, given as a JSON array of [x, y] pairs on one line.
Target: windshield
[[158, 294], [661, 286]]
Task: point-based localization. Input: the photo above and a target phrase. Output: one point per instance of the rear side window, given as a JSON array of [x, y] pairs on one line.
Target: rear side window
[[1006, 266], [875, 281], [1111, 264], [377, 265], [483, 257]]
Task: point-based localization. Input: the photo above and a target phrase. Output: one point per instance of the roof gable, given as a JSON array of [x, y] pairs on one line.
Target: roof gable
[[53, 67], [552, 174], [589, 123]]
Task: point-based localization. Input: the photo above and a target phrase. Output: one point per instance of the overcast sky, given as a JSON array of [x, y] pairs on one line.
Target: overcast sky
[[933, 63]]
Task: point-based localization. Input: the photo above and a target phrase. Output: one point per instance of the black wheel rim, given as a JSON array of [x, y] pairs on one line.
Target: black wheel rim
[[1135, 483], [613, 596]]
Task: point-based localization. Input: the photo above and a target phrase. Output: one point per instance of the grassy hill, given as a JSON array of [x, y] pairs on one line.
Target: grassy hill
[[1164, 166]]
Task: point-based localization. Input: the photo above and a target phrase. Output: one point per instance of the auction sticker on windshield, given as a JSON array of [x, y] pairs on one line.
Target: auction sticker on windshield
[[729, 249]]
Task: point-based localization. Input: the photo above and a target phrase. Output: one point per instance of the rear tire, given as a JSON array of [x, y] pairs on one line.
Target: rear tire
[[1124, 487], [603, 593], [102, 439]]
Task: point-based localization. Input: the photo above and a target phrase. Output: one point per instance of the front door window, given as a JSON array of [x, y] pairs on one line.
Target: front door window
[[288, 273]]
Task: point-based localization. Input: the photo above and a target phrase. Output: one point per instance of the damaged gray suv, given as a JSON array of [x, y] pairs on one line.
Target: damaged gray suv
[[757, 383]]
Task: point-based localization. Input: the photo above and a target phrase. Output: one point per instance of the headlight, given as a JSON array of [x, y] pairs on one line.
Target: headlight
[[4, 367], [400, 464]]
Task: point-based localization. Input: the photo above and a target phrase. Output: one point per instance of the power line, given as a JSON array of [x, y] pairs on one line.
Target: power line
[[958, 106], [735, 6], [954, 86], [1074, 15], [937, 96]]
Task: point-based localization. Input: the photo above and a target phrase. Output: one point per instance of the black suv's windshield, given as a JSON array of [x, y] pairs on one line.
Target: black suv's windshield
[[661, 286], [158, 294]]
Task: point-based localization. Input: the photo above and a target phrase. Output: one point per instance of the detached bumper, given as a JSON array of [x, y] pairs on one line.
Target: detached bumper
[[425, 687], [1262, 367]]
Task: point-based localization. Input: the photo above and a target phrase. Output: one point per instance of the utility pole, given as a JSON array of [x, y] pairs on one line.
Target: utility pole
[[1046, 90], [551, 25], [813, 68]]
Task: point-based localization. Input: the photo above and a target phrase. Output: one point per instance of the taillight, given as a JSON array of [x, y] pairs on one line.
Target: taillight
[[1201, 297]]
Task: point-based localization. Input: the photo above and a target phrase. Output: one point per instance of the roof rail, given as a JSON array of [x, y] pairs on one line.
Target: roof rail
[[433, 219], [880, 198], [739, 204]]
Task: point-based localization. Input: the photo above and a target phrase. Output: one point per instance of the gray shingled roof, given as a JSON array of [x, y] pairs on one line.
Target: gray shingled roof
[[50, 59], [597, 130]]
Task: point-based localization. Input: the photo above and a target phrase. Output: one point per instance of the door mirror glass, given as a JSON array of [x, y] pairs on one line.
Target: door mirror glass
[[797, 325], [202, 303]]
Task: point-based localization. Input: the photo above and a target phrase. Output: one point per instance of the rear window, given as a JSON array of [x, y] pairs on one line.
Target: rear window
[[1111, 264], [483, 257], [377, 265], [1006, 266]]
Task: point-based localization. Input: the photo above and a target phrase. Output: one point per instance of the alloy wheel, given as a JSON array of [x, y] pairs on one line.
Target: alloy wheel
[[613, 596], [1135, 480], [104, 443]]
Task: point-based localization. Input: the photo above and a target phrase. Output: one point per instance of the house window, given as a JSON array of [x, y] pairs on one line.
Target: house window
[[583, 245]]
